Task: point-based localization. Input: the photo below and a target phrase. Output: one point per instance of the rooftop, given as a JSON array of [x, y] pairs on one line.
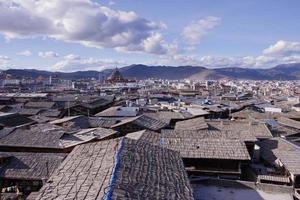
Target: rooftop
[[145, 135], [27, 165], [246, 114], [14, 120], [209, 134], [191, 124], [40, 104], [143, 121], [102, 122], [119, 111], [42, 136], [289, 122], [257, 129], [30, 111], [287, 153], [210, 149], [119, 169]]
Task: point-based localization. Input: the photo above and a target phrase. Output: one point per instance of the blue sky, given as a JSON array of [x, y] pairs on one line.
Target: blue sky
[[71, 35]]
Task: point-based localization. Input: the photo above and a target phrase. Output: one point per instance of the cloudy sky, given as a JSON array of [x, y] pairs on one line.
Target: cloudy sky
[[71, 35]]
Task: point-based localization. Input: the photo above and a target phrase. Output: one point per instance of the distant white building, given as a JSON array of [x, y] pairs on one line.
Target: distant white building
[[11, 82], [268, 108], [273, 109]]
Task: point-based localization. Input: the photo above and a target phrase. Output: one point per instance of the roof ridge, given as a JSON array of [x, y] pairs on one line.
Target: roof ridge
[[115, 170]]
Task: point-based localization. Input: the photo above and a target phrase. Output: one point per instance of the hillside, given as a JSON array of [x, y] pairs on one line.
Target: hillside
[[208, 75]]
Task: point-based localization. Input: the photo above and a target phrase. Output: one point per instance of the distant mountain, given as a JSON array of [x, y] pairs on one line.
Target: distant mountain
[[292, 70], [280, 72], [162, 72]]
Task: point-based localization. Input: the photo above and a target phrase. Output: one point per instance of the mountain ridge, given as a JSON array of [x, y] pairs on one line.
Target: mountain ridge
[[140, 71]]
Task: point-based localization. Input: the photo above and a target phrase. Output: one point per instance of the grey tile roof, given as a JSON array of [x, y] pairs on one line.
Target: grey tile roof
[[71, 140], [279, 148], [43, 136], [145, 135], [38, 136], [198, 111], [257, 129], [27, 165], [135, 135], [84, 174], [209, 149], [102, 122], [191, 124], [186, 114], [284, 130], [119, 169], [40, 104], [157, 173], [99, 133], [288, 122], [167, 116], [52, 113], [209, 134], [150, 123], [119, 111], [32, 196], [144, 122], [30, 111], [98, 102], [4, 132], [65, 119], [73, 122], [170, 115], [14, 119], [246, 114], [157, 116], [290, 160], [40, 118]]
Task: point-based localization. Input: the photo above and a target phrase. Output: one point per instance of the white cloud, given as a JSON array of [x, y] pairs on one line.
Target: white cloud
[[283, 48], [4, 61], [72, 57], [24, 53], [74, 63], [291, 59], [279, 53], [196, 30], [242, 61], [48, 54], [80, 21], [211, 61]]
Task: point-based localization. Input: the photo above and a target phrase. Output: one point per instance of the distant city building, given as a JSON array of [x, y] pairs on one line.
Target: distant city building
[[117, 77]]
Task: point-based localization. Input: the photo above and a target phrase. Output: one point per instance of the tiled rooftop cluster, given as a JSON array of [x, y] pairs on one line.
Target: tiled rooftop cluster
[[153, 139]]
